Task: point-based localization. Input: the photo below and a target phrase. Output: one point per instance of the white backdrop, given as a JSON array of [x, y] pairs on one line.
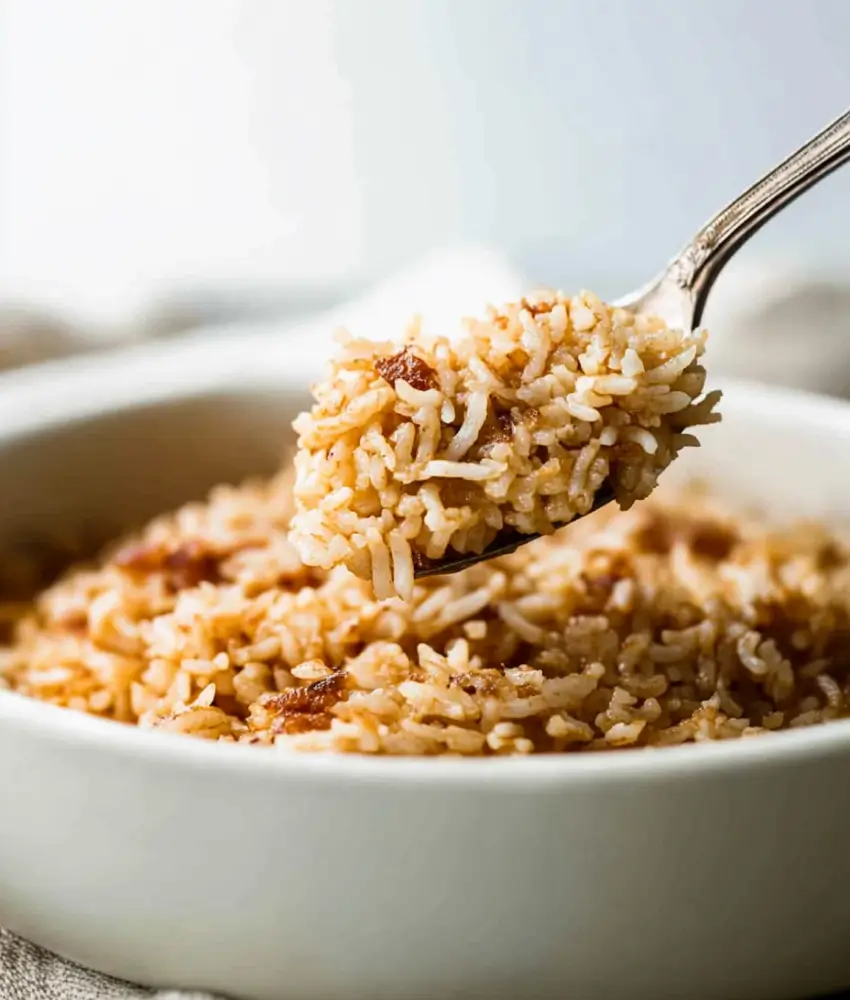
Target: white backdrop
[[151, 145]]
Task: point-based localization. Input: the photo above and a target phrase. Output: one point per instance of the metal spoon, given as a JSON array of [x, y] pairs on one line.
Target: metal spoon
[[679, 294]]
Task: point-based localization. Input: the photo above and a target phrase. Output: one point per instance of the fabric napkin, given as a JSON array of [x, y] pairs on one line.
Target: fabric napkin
[[28, 972], [445, 285], [771, 319]]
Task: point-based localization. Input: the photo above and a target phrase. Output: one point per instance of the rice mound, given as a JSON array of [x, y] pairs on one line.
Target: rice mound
[[677, 621], [418, 451]]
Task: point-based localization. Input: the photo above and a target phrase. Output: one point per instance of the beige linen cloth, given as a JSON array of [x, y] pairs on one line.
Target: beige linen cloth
[[770, 320], [766, 322], [31, 973]]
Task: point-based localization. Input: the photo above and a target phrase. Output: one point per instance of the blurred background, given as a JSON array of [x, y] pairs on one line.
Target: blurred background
[[165, 163]]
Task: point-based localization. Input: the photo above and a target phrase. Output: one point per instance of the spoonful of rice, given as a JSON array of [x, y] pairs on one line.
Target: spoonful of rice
[[431, 455]]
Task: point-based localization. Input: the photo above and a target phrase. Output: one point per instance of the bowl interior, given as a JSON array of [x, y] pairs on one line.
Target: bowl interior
[[68, 488]]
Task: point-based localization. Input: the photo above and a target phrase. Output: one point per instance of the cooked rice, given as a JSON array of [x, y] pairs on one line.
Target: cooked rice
[[675, 622], [417, 452]]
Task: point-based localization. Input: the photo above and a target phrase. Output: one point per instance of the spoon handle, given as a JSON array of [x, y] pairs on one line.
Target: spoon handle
[[699, 264]]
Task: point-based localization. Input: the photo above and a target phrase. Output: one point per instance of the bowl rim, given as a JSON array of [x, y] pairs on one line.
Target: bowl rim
[[69, 729], [29, 402]]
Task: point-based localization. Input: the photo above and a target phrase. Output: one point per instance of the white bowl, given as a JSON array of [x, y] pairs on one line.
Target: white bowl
[[716, 871]]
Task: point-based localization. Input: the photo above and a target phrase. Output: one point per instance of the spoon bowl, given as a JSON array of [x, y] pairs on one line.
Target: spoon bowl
[[507, 541]]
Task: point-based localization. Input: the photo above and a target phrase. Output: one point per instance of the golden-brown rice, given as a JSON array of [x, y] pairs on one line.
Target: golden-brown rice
[[429, 449], [677, 621]]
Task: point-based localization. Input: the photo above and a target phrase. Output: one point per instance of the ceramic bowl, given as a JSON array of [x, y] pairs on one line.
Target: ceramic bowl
[[717, 871]]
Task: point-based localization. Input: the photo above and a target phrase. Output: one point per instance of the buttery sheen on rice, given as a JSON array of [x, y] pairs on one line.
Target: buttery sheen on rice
[[418, 451]]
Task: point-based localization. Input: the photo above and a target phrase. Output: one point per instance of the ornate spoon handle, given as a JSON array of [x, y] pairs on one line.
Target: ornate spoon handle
[[698, 265]]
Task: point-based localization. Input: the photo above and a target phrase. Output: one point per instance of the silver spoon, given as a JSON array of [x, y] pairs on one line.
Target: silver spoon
[[679, 294]]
